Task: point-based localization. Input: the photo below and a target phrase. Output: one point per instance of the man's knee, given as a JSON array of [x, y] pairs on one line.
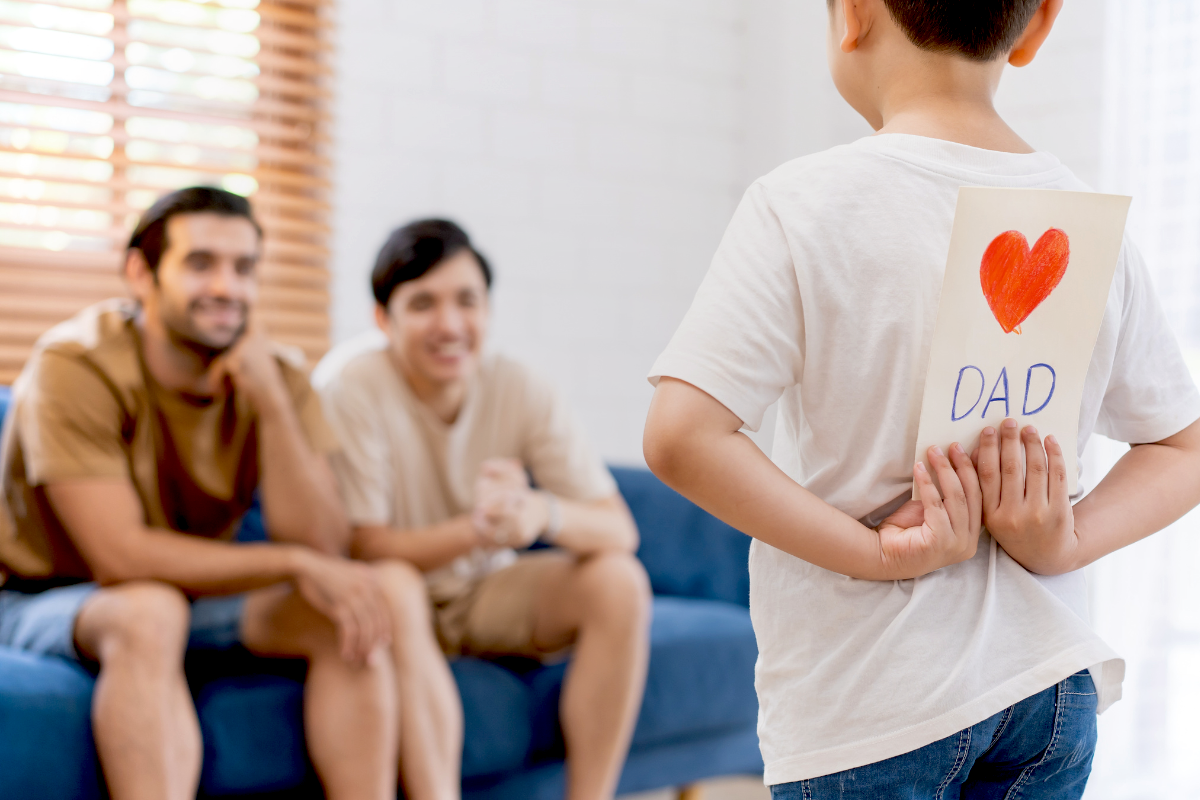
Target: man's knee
[[404, 587], [615, 585], [143, 620]]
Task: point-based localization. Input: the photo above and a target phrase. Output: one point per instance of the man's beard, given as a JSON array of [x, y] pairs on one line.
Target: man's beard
[[184, 333]]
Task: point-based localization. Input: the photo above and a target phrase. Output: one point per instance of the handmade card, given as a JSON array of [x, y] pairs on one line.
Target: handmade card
[[1027, 279]]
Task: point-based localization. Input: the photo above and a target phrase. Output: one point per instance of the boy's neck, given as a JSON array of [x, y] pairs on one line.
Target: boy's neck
[[954, 120], [937, 95]]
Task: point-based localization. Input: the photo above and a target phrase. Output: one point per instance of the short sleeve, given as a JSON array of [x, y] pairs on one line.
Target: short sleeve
[[70, 423], [556, 450], [1151, 394], [306, 402], [362, 463], [742, 339]]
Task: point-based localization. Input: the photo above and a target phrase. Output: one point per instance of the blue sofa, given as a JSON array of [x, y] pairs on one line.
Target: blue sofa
[[697, 720]]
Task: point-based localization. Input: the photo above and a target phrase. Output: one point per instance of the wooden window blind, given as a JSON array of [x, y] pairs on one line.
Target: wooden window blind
[[107, 104]]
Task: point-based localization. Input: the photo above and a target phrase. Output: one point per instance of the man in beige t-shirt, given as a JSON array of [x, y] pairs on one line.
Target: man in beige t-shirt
[[438, 443], [139, 433]]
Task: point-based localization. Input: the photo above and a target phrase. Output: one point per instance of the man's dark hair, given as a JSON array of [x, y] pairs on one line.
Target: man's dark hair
[[150, 235], [981, 30], [414, 249]]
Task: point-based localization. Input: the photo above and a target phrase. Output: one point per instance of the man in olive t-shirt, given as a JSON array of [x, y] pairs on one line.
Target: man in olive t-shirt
[[139, 433]]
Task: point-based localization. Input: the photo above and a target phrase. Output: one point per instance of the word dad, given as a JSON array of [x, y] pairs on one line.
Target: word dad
[[999, 392]]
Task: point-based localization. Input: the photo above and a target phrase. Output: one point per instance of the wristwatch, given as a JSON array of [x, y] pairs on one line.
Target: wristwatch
[[553, 519]]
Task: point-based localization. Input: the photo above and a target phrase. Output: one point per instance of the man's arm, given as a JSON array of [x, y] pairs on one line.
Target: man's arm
[[510, 514], [598, 526], [425, 548], [694, 444], [297, 487], [1030, 515], [103, 518]]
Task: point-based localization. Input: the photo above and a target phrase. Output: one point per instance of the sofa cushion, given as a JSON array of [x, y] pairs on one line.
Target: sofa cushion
[[251, 727], [253, 740], [46, 747], [700, 680], [686, 551]]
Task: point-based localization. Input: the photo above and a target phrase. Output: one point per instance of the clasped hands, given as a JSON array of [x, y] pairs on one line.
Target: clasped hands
[[1024, 504], [508, 512]]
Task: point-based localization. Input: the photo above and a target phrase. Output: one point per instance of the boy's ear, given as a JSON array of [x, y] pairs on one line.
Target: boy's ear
[[1035, 33], [381, 317], [856, 24]]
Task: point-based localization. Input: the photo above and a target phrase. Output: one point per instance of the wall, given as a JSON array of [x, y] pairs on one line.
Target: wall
[[596, 149], [591, 149]]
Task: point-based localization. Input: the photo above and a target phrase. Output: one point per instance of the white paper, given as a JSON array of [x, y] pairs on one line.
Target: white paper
[[979, 374]]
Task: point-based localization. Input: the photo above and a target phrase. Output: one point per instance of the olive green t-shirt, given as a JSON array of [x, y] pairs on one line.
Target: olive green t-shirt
[[83, 408]]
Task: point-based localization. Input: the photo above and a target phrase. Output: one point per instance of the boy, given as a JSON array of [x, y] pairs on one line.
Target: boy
[[903, 653]]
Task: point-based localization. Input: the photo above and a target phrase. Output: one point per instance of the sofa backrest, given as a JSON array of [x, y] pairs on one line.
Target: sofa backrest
[[687, 551]]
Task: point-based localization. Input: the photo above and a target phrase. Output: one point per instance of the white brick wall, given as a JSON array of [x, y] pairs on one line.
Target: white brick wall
[[595, 149], [592, 149]]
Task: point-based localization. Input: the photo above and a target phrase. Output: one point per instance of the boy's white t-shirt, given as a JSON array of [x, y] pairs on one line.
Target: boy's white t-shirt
[[823, 295]]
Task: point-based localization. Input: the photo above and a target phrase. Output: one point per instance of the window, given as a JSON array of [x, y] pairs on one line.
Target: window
[[1147, 598], [107, 104]]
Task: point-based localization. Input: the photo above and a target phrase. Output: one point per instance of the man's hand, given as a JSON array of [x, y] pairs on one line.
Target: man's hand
[[346, 592], [253, 369], [928, 534], [508, 512], [1027, 508]]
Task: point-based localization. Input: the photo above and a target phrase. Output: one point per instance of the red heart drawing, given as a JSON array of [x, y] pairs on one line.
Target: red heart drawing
[[1016, 280]]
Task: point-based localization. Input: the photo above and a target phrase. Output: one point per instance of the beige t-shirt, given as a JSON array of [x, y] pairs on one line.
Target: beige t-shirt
[[403, 467], [83, 408]]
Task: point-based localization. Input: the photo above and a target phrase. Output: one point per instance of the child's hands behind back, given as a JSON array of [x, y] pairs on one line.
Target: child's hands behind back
[[1026, 507], [927, 534]]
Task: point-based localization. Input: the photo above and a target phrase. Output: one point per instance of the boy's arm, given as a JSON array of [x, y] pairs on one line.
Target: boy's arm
[[1031, 516], [694, 444]]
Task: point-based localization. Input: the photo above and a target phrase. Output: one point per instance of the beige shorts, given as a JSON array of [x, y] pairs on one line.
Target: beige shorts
[[496, 616]]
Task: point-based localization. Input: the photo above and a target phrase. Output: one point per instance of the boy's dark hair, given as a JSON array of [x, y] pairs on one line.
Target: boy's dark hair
[[150, 235], [414, 249], [981, 30]]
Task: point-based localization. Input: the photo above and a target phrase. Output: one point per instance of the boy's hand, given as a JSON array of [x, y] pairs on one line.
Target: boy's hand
[[927, 534], [1027, 509]]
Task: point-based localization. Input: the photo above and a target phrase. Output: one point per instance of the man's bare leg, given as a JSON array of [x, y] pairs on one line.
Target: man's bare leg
[[603, 604], [430, 710], [147, 734], [350, 710]]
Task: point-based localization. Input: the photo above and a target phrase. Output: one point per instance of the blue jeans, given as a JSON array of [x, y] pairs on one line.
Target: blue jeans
[[44, 623], [1039, 748]]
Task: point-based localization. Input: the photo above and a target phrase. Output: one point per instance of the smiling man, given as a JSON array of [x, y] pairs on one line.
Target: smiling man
[[139, 434], [438, 442]]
